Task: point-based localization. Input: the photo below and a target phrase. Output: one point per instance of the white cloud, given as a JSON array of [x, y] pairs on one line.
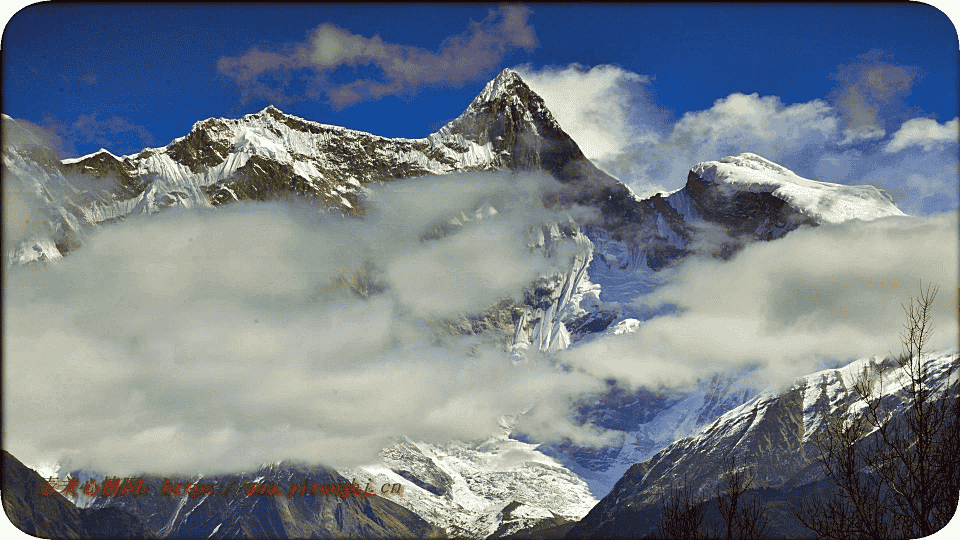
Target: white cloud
[[764, 125], [924, 132], [597, 107], [216, 341], [790, 305]]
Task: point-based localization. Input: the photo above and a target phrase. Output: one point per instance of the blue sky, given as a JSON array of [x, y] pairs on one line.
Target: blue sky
[[125, 77]]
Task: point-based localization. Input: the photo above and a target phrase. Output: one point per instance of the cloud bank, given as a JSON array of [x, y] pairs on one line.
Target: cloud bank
[[925, 133], [205, 341], [792, 306], [404, 68]]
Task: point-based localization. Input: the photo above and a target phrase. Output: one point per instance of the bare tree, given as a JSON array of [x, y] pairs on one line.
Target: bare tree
[[742, 517], [681, 516], [897, 475], [852, 511]]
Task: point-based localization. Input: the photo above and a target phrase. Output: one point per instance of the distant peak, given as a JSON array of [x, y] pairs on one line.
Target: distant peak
[[506, 94], [825, 202], [88, 156], [508, 73], [270, 108], [506, 80]]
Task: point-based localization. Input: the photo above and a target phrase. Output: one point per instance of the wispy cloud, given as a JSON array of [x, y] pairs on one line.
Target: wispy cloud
[[115, 133], [869, 91], [219, 340], [19, 132], [404, 68]]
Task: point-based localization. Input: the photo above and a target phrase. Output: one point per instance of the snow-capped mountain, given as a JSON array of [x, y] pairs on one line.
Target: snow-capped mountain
[[774, 434], [749, 199], [265, 154], [502, 485], [729, 188]]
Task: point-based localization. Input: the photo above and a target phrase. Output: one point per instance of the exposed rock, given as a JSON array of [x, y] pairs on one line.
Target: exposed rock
[[53, 516]]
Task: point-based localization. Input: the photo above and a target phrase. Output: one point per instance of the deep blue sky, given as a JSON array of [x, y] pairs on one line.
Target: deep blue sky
[[126, 75]]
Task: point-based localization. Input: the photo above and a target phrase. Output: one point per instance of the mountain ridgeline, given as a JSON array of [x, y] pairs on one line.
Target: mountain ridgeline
[[271, 154]]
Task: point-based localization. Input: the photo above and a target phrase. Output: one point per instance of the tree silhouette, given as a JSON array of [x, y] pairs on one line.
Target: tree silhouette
[[897, 476], [682, 516], [741, 517]]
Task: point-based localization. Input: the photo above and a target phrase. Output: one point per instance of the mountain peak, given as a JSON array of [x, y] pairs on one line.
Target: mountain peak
[[108, 153], [506, 98], [508, 75], [504, 83]]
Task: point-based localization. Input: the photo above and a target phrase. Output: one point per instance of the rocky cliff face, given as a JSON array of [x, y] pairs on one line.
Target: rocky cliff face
[[51, 515]]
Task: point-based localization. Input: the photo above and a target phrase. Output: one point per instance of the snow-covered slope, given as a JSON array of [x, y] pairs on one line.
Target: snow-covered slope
[[775, 433], [40, 221], [822, 201], [648, 421], [463, 488], [265, 154]]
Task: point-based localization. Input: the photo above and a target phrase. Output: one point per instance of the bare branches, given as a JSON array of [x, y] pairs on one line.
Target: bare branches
[[918, 328], [681, 516], [742, 518], [897, 475], [741, 515], [852, 510]]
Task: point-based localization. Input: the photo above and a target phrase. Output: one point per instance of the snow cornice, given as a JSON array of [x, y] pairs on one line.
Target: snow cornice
[[69, 161]]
